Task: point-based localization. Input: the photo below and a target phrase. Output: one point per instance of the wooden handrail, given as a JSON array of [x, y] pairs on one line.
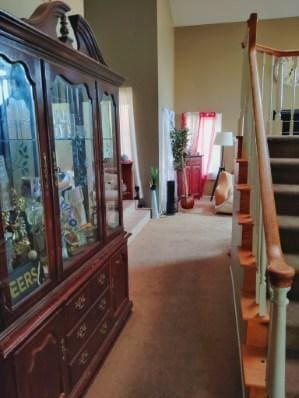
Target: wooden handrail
[[280, 273], [274, 51]]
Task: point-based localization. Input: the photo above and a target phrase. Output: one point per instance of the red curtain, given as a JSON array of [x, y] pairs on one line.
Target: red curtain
[[203, 138]]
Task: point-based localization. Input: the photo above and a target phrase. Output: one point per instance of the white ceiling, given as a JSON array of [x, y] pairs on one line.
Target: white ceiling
[[201, 12]]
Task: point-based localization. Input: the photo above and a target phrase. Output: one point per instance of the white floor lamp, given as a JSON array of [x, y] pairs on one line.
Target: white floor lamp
[[223, 139]]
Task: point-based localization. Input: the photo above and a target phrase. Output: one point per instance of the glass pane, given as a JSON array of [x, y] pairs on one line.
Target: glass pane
[[74, 147], [110, 164], [21, 200]]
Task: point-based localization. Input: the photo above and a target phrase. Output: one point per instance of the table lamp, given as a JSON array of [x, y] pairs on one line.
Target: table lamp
[[224, 138]]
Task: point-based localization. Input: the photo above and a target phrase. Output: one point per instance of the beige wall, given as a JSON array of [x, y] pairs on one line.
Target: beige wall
[[127, 34], [24, 8], [165, 56], [208, 63]]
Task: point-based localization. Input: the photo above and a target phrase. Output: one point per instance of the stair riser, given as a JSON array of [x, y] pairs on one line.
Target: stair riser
[[257, 333], [249, 280], [279, 149], [294, 292], [247, 236], [293, 342], [289, 240], [285, 174], [243, 171], [244, 202], [239, 147], [287, 204]]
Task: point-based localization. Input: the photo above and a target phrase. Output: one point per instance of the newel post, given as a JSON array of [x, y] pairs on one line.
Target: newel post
[[280, 286]]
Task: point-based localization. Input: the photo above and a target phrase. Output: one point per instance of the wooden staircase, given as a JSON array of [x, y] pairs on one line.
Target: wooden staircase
[[286, 189], [284, 156], [135, 219], [254, 349]]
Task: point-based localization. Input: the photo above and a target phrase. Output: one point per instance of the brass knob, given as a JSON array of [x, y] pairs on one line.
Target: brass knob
[[104, 328], [83, 358], [82, 331], [80, 302], [103, 304]]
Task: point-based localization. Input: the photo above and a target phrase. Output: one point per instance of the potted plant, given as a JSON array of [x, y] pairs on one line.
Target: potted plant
[[179, 140], [153, 186]]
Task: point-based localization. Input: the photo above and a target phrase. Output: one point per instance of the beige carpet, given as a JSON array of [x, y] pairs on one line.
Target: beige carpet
[[180, 341]]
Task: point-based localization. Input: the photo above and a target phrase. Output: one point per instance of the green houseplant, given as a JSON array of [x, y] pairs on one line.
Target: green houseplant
[[153, 187], [179, 141]]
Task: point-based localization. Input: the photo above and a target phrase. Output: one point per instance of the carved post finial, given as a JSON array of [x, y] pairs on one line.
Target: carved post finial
[[64, 31]]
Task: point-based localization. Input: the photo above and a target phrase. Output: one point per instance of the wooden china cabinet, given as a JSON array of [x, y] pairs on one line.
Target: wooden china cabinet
[[63, 253]]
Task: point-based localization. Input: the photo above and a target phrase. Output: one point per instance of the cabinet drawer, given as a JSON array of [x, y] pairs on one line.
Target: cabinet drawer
[[78, 336], [119, 279], [78, 305], [100, 281], [82, 360]]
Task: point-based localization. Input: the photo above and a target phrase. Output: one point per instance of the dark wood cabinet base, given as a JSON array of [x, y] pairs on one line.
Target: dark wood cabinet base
[[99, 357]]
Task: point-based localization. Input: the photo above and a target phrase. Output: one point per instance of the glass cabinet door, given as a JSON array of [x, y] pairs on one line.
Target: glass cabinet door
[[75, 167], [23, 259], [110, 164]]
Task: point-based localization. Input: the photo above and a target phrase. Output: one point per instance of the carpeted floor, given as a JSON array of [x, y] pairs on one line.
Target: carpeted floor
[[180, 341]]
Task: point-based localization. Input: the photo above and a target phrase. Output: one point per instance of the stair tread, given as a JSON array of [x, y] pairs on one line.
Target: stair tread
[[243, 187], [286, 188], [254, 365], [284, 161], [135, 218], [292, 371], [246, 258], [250, 310], [244, 218], [292, 260], [282, 138], [288, 222]]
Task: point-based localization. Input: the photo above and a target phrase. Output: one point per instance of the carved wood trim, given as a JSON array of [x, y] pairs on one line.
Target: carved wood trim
[[86, 42], [48, 338], [46, 16]]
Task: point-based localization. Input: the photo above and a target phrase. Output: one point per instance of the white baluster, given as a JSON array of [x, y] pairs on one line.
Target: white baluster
[[293, 81], [244, 93], [257, 242], [279, 98], [263, 75], [263, 269], [277, 343], [270, 117]]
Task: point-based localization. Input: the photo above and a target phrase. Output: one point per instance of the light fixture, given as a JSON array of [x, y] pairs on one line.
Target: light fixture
[[223, 138]]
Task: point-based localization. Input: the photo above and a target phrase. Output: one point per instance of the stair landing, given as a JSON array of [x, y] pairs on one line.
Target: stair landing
[[135, 219]]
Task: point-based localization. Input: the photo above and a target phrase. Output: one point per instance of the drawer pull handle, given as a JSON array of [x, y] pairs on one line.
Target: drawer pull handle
[[83, 358], [103, 304], [102, 279], [104, 328], [117, 262], [80, 302], [82, 331]]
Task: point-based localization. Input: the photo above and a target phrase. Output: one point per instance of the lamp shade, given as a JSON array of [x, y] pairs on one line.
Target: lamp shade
[[225, 138]]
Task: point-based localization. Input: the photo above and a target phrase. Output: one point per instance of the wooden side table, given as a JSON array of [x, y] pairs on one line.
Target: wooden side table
[[194, 176]]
